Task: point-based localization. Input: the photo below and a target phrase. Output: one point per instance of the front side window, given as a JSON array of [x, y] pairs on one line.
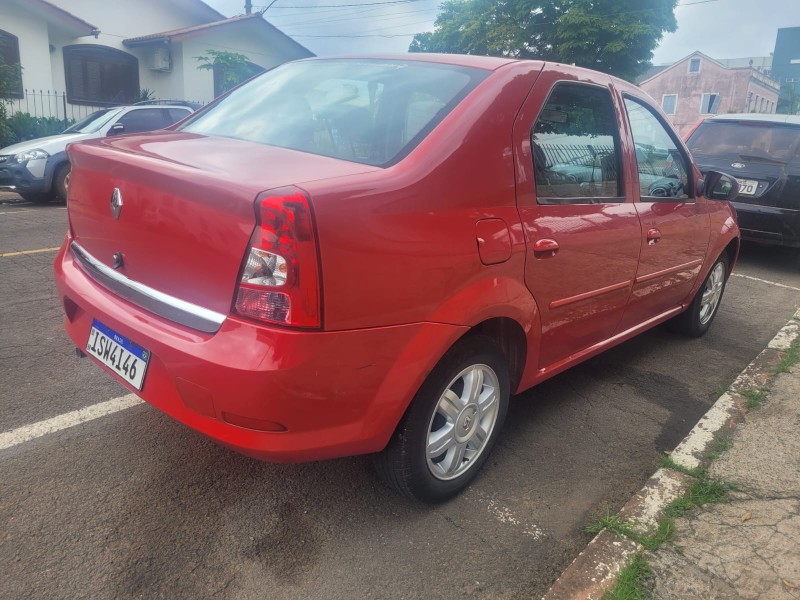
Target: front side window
[[668, 103], [100, 75], [93, 122], [9, 54], [367, 111], [575, 142], [709, 104], [663, 169]]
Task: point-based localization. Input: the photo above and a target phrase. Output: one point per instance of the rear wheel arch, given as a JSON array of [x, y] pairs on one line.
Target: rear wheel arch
[[511, 338], [433, 454], [508, 333]]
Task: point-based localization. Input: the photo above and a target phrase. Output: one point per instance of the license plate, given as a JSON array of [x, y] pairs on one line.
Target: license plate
[[118, 353], [747, 187]]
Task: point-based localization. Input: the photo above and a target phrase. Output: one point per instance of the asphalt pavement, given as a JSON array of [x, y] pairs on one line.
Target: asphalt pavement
[[133, 504]]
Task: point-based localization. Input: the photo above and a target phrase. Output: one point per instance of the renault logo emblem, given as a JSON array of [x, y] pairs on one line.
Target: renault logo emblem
[[116, 203]]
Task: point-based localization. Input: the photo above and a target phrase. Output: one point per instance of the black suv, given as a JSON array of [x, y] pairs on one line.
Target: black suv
[[763, 153]]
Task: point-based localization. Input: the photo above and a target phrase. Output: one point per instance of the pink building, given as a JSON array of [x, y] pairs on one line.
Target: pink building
[[698, 86]]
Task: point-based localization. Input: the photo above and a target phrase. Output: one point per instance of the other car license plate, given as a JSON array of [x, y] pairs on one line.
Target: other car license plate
[[747, 187], [118, 353]]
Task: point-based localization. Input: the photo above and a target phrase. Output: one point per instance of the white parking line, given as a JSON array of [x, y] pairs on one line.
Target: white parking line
[[776, 284], [14, 212], [30, 432]]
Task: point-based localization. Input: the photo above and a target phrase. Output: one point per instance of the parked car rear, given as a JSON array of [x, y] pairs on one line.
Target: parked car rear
[[370, 255], [763, 152]]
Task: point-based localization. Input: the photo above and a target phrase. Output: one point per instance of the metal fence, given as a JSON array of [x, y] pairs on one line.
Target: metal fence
[[49, 104], [573, 153], [54, 105]]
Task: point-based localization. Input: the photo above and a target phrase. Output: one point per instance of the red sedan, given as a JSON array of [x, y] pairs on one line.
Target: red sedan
[[370, 255]]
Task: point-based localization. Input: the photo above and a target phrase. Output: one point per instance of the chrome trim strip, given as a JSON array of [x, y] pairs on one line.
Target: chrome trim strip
[[164, 305], [586, 295], [670, 271]]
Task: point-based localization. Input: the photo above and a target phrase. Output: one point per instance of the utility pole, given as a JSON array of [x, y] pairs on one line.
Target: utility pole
[[248, 6]]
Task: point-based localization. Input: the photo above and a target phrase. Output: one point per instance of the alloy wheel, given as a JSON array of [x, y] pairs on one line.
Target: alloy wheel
[[462, 422], [712, 292]]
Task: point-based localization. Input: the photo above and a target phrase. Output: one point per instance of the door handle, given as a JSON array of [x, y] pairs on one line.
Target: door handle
[[653, 236], [545, 248]]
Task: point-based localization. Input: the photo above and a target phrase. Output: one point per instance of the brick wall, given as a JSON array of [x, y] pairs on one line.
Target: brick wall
[[735, 87]]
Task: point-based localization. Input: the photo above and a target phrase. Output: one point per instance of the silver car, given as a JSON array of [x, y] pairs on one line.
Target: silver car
[[38, 170]]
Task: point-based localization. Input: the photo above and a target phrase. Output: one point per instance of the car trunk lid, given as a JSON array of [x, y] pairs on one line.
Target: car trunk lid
[[185, 209]]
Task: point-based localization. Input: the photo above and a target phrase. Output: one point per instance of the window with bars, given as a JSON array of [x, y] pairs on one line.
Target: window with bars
[[9, 53]]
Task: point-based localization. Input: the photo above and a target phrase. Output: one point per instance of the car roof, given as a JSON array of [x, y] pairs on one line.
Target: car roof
[[488, 63], [759, 117], [189, 108]]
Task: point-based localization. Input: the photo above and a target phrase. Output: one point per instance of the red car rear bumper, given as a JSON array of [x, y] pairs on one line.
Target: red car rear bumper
[[335, 393]]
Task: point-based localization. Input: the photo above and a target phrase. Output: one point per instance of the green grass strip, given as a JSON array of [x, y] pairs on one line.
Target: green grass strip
[[755, 398], [663, 533], [615, 524], [722, 444], [790, 358], [669, 463], [632, 582]]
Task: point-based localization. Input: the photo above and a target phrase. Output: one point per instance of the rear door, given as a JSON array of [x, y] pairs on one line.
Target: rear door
[[675, 225], [582, 231]]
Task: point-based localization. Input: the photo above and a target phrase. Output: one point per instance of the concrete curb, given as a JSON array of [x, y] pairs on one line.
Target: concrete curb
[[595, 569]]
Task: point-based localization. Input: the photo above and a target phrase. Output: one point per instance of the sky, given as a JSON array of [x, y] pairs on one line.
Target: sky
[[718, 28]]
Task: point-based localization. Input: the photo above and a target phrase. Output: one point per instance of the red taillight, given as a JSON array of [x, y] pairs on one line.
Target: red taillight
[[279, 281]]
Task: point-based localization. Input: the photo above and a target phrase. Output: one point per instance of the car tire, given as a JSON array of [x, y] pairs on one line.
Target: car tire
[[61, 181], [457, 414], [696, 320]]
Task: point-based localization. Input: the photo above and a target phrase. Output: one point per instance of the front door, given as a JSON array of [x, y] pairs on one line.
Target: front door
[[582, 233], [675, 226]]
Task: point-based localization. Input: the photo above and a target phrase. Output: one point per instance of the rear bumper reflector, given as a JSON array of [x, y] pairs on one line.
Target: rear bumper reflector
[[171, 308]]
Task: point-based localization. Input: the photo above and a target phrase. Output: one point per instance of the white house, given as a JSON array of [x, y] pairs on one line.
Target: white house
[[101, 52]]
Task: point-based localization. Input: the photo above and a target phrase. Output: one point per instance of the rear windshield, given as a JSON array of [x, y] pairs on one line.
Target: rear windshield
[[368, 111], [770, 142]]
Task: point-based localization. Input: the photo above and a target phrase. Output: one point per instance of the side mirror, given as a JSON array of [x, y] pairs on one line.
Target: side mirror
[[116, 129], [719, 186]]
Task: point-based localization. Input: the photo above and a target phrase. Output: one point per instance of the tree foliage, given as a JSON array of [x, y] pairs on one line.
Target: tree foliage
[[614, 36], [233, 67]]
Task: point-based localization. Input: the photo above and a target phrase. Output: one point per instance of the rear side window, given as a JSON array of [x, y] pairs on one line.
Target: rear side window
[[367, 111], [176, 114], [663, 170], [145, 119], [575, 143]]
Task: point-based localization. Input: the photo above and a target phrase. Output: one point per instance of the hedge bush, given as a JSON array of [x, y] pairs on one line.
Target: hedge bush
[[20, 127]]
